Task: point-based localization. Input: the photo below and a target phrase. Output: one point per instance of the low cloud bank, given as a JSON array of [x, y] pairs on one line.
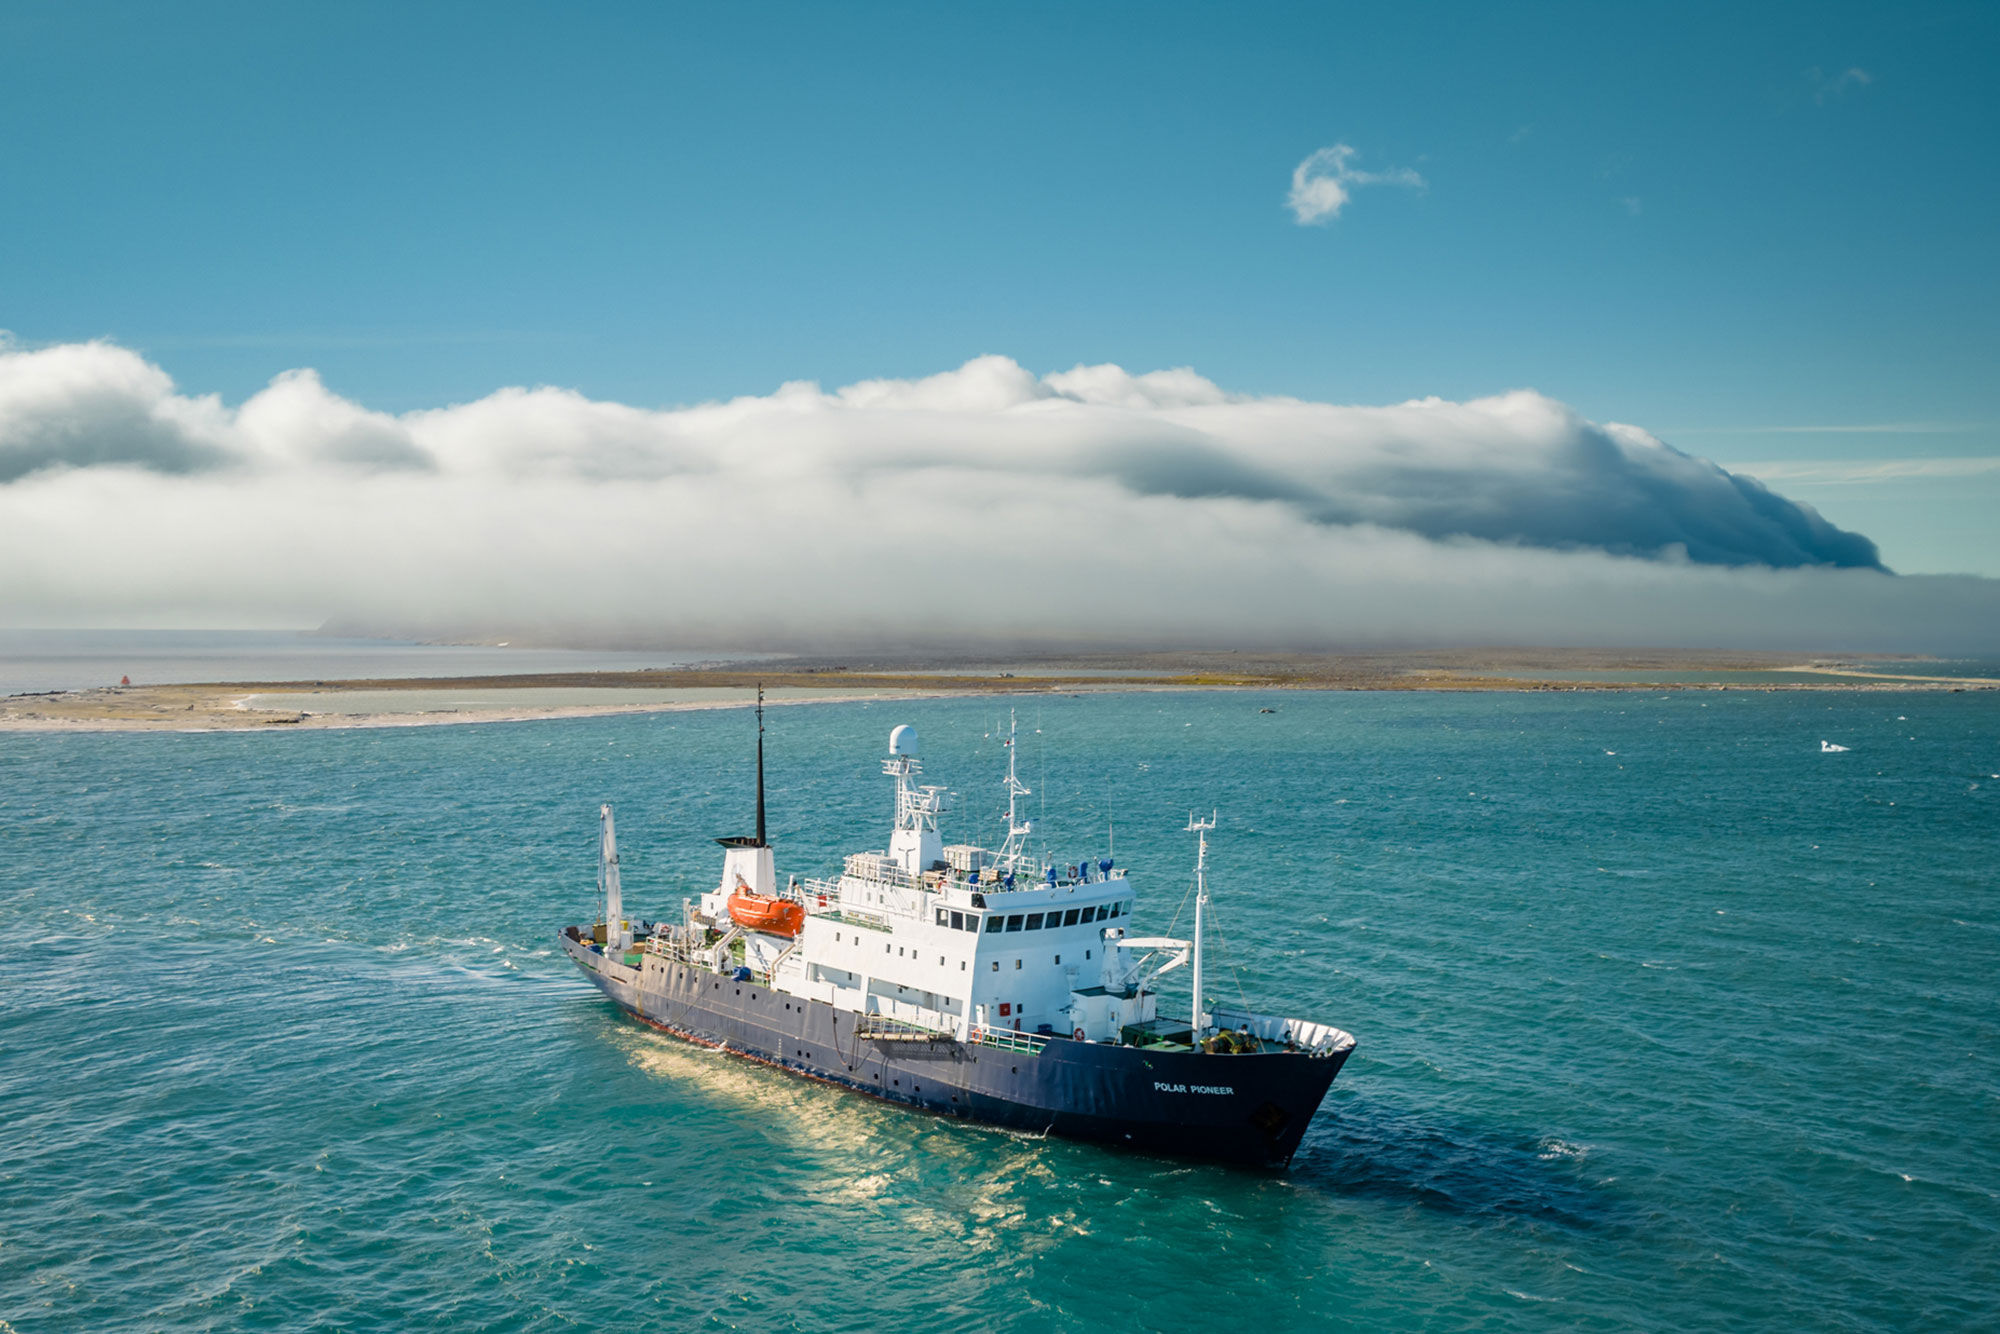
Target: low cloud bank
[[982, 504]]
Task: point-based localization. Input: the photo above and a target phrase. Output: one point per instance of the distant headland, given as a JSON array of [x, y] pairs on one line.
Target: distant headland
[[391, 701]]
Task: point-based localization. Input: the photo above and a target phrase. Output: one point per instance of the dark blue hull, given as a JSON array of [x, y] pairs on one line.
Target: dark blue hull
[[1250, 1109]]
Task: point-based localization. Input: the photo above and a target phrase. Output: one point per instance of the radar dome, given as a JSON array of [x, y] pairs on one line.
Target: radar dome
[[903, 741]]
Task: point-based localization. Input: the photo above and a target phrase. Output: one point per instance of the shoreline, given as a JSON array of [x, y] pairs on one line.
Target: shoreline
[[248, 705]]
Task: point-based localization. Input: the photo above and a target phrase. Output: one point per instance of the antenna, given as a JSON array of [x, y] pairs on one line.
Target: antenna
[[760, 765]]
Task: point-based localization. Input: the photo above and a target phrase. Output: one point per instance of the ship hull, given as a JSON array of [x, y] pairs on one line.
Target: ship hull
[[1248, 1109]]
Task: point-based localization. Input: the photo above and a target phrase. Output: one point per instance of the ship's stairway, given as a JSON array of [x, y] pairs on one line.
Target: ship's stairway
[[789, 972], [883, 1028]]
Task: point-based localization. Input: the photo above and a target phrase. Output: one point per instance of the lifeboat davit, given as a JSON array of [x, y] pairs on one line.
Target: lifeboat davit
[[778, 917]]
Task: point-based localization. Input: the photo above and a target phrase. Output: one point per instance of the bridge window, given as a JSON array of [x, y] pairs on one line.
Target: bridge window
[[1090, 914], [1034, 921], [1014, 922], [993, 923], [957, 921], [1069, 918], [942, 919]]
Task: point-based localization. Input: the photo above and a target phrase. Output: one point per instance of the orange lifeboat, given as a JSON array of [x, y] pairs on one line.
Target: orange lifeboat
[[779, 917]]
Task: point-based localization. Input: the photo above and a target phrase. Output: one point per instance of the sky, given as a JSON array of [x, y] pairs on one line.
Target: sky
[[1757, 236]]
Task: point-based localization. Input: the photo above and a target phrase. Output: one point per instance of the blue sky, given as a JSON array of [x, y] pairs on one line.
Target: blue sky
[[1722, 223]]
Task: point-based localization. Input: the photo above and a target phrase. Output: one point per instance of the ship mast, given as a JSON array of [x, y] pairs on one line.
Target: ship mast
[[1199, 828], [1017, 828]]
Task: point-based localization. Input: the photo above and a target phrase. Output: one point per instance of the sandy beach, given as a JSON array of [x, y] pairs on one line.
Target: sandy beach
[[392, 702]]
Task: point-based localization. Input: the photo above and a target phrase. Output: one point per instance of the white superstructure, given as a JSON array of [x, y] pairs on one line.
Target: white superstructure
[[951, 939]]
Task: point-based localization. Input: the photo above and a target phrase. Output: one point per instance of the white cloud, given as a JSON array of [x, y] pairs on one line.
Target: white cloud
[[1839, 472], [1325, 181], [982, 503], [1852, 428]]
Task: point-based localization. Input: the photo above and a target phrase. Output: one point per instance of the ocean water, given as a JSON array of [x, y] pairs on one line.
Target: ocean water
[[1667, 1021], [41, 660]]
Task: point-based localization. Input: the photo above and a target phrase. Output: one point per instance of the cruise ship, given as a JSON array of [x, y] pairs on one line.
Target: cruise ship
[[986, 984]]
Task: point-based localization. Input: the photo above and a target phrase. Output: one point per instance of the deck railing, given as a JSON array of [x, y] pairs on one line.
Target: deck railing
[[1006, 1039], [1316, 1039]]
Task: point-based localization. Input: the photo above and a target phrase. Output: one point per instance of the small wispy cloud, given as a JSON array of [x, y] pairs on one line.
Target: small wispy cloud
[[310, 340], [1826, 87], [1847, 472], [1327, 179], [1845, 428], [1631, 205]]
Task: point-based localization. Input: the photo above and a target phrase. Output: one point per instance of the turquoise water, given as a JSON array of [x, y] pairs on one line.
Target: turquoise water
[[1703, 1034], [42, 660]]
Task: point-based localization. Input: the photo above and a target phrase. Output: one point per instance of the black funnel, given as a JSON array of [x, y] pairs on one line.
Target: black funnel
[[760, 767]]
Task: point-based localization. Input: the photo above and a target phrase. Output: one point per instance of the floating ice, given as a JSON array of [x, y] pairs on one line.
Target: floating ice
[[1828, 748]]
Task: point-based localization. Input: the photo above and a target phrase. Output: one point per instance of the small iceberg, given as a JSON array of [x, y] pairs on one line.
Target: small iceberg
[[1828, 748]]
